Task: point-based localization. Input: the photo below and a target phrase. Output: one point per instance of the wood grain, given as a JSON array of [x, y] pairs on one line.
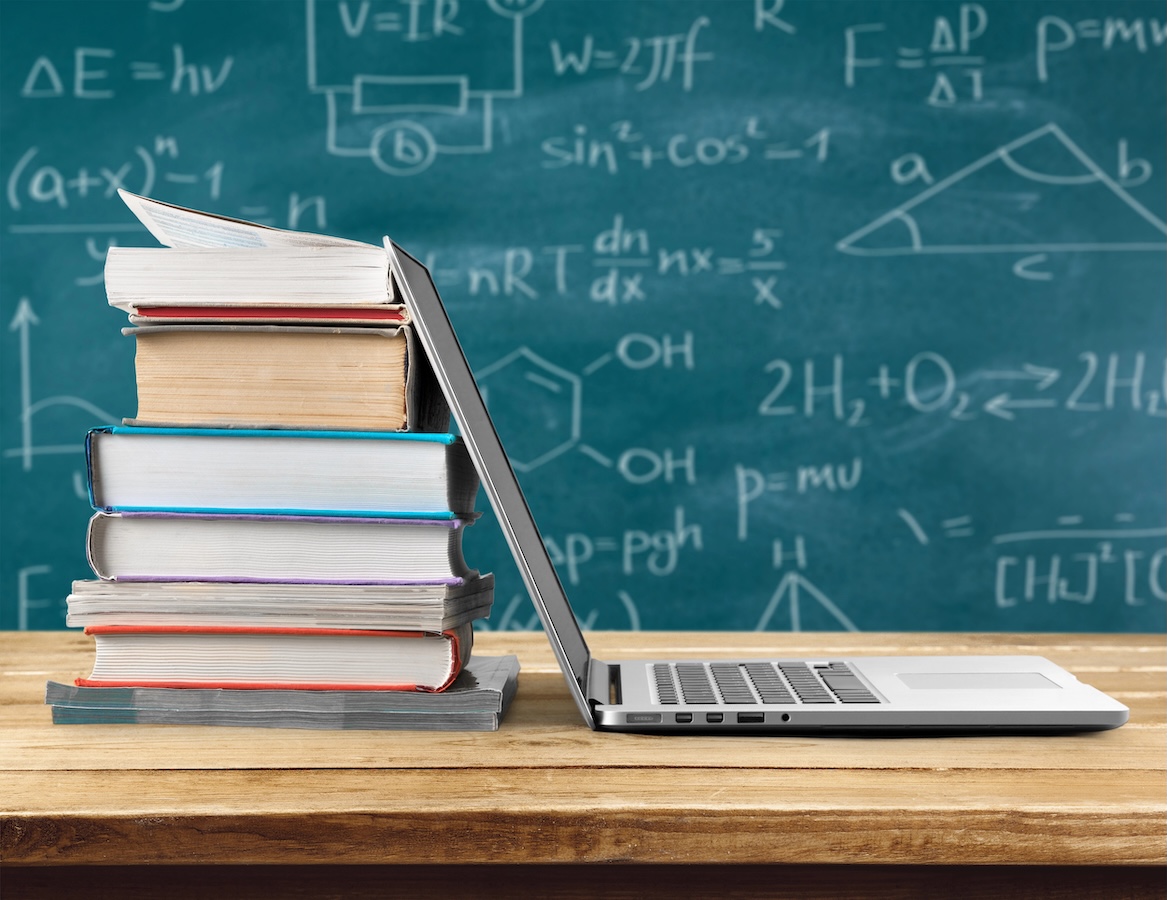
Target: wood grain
[[544, 789], [583, 882]]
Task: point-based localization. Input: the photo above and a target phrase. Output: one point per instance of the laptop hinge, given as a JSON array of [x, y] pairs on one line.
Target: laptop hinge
[[604, 683]]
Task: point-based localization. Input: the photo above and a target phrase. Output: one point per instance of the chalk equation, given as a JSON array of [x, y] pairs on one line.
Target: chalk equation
[[621, 265], [46, 196], [947, 58], [624, 147], [1116, 559], [389, 96], [102, 73], [648, 61], [928, 384]]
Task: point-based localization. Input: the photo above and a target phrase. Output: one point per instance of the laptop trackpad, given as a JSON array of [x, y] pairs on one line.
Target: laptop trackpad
[[976, 681]]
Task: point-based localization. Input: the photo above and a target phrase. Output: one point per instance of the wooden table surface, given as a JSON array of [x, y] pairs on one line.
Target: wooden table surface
[[1086, 811]]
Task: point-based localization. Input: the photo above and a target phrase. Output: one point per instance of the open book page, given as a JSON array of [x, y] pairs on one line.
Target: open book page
[[177, 226]]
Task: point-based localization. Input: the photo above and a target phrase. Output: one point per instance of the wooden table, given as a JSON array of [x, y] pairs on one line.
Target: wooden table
[[128, 811]]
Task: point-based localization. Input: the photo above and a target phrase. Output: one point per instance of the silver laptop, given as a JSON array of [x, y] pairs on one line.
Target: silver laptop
[[903, 694]]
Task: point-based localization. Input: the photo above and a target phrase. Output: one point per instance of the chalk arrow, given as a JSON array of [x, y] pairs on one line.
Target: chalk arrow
[[24, 319], [1003, 405], [24, 316], [1043, 376]]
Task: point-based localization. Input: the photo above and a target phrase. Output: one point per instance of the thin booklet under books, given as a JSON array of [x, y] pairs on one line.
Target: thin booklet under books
[[477, 701]]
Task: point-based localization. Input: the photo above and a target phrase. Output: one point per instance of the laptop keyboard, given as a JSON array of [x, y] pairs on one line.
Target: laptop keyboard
[[758, 682]]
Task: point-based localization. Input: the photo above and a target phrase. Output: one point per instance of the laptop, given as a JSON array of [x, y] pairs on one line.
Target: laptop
[[835, 694]]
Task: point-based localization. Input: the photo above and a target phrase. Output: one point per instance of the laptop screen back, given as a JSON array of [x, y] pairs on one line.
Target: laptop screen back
[[437, 336]]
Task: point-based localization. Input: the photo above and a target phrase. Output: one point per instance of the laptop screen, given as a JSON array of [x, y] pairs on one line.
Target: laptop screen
[[432, 324]]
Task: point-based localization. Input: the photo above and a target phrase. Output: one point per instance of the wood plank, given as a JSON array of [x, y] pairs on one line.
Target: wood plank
[[542, 729], [580, 882], [578, 815], [544, 788], [530, 743]]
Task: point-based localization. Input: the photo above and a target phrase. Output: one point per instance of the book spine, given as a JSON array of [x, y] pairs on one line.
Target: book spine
[[273, 630], [316, 516], [286, 515], [284, 433], [243, 579], [258, 685], [91, 470], [273, 314]]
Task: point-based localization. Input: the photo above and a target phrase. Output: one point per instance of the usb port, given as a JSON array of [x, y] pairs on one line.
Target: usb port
[[714, 717], [743, 718], [684, 718]]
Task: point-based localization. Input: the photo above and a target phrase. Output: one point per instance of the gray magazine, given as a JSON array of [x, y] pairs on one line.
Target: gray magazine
[[476, 701]]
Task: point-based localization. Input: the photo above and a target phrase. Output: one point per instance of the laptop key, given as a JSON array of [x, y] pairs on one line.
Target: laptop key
[[805, 683], [666, 691], [848, 688], [695, 684], [844, 684], [731, 683], [768, 683]]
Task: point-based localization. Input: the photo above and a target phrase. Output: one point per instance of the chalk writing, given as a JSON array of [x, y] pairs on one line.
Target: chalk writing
[[927, 383], [847, 315]]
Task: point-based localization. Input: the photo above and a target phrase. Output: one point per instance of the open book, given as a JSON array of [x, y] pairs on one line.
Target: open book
[[216, 268]]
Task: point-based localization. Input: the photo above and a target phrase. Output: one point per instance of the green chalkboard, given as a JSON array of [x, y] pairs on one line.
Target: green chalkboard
[[793, 315]]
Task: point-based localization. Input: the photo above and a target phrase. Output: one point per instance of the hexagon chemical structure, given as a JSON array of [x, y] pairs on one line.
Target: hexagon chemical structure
[[524, 387]]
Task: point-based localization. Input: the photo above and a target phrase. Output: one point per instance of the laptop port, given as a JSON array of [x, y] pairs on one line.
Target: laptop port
[[714, 717], [684, 718], [744, 718]]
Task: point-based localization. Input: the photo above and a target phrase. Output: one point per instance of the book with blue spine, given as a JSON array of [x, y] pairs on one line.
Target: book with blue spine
[[393, 475]]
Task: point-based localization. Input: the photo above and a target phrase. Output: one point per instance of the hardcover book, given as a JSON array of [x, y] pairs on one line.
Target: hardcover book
[[285, 376], [268, 658], [382, 474], [209, 547]]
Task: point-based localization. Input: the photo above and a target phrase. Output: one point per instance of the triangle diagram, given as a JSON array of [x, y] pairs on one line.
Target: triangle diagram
[[1038, 194], [791, 590]]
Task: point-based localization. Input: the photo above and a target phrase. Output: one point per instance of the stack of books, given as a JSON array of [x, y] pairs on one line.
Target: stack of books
[[278, 533]]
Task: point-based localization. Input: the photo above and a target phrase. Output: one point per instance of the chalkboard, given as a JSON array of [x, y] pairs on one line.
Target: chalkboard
[[793, 315]]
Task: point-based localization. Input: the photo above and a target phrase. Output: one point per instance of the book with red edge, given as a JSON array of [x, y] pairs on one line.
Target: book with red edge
[[325, 659]]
